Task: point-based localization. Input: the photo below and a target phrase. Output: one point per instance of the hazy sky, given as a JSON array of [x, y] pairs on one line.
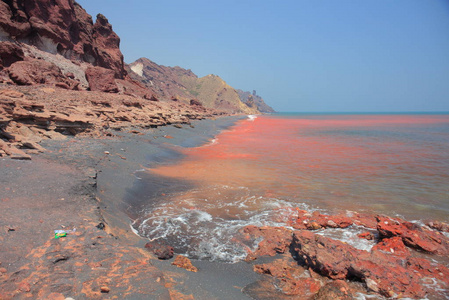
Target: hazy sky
[[315, 55]]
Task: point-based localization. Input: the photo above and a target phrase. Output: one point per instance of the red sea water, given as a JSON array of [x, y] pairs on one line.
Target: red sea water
[[394, 164]]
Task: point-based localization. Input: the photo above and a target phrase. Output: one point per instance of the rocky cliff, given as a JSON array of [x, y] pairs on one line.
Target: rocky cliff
[[178, 83], [166, 81], [62, 27], [252, 99]]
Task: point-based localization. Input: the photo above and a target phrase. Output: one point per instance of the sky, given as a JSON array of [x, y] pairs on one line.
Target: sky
[[303, 56]]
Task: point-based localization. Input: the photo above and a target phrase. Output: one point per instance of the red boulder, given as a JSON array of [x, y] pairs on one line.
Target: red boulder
[[413, 235], [101, 79]]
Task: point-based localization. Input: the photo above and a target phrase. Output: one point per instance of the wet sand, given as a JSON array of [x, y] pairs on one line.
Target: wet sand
[[86, 186]]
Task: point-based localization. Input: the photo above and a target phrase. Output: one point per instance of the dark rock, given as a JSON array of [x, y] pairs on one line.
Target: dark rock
[[10, 53], [195, 102], [153, 98], [160, 250], [335, 290], [440, 226]]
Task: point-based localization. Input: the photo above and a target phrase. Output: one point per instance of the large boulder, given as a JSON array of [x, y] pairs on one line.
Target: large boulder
[[36, 71], [101, 79]]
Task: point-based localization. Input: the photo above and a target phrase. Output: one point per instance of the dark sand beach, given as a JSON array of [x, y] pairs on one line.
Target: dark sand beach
[[85, 186]]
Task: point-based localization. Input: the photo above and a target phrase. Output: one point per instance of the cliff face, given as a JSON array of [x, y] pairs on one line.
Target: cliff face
[[165, 81], [214, 92], [55, 42], [62, 27], [178, 83], [253, 99]]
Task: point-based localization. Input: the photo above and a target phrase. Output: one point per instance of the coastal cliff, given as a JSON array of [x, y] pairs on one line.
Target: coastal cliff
[[181, 84], [63, 74]]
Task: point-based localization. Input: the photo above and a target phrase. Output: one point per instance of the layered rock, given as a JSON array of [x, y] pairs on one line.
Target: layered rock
[[32, 114]]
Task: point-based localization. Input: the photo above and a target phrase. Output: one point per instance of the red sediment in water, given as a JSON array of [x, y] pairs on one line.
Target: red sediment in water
[[309, 158]]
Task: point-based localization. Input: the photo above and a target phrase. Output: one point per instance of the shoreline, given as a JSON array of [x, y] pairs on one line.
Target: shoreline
[[88, 184], [93, 176]]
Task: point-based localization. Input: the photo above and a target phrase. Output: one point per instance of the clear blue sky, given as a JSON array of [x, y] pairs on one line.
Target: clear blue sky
[[315, 55]]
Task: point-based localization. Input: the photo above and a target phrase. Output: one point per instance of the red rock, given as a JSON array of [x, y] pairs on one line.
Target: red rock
[[305, 287], [160, 250], [55, 296], [381, 272], [275, 239], [185, 263], [413, 235], [24, 287], [10, 53], [290, 277], [315, 220], [107, 43], [65, 28], [35, 71], [105, 289], [101, 79], [335, 290], [366, 235], [365, 220], [392, 245]]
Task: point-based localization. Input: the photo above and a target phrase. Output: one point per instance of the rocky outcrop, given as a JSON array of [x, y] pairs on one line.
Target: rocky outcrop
[[252, 99], [391, 268], [62, 27], [381, 272]]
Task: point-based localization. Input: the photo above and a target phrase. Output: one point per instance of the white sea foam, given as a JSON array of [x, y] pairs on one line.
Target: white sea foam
[[349, 236], [201, 229], [252, 117]]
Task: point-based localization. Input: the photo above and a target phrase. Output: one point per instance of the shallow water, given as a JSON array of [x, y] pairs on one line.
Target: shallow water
[[249, 174]]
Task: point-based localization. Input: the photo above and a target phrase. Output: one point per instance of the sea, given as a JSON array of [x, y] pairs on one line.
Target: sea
[[256, 171]]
